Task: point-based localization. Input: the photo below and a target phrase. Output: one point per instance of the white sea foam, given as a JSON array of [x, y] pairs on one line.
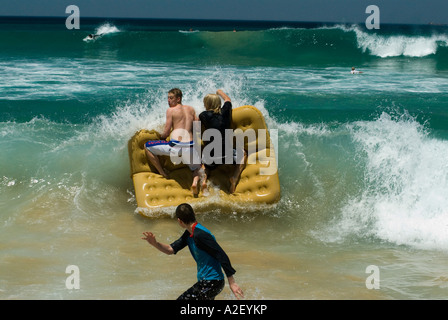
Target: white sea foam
[[397, 45], [393, 46], [406, 182], [385, 46], [148, 111]]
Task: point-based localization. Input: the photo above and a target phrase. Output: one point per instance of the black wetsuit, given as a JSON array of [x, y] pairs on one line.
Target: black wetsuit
[[221, 122]]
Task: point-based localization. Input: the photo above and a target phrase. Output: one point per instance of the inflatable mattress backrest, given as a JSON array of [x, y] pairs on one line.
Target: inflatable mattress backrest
[[250, 118], [136, 148]]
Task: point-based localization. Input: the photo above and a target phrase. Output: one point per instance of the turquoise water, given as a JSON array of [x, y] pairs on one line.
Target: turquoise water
[[362, 158]]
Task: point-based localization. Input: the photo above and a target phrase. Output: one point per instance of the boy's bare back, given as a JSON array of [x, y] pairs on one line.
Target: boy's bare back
[[182, 117]]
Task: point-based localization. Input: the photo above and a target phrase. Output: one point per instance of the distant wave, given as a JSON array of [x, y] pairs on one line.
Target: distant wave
[[188, 31], [338, 44], [379, 45], [399, 45], [323, 46]]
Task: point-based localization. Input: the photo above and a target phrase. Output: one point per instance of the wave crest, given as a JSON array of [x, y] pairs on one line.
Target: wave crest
[[405, 179], [385, 46]]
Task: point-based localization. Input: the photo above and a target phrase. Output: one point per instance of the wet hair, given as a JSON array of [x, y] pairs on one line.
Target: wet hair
[[177, 93], [212, 102], [185, 213]]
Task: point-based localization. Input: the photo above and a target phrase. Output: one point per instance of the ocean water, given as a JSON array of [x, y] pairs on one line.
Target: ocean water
[[362, 159]]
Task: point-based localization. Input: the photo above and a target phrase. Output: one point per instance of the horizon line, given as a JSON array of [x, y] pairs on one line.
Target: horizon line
[[220, 20]]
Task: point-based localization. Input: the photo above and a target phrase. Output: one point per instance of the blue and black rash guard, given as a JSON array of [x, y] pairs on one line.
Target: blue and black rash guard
[[207, 253]]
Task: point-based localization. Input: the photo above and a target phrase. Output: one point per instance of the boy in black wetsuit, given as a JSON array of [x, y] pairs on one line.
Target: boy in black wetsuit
[[220, 118], [207, 253]]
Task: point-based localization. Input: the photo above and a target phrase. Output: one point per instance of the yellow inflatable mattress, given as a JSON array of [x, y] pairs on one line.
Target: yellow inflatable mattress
[[258, 185]]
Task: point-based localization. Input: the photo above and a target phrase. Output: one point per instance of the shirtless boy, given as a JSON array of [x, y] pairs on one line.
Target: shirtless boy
[[179, 127]]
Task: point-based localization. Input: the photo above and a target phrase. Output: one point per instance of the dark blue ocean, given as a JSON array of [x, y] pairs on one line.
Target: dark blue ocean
[[362, 159]]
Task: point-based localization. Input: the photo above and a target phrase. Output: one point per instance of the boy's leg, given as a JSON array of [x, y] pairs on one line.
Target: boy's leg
[[239, 167], [203, 290], [153, 158]]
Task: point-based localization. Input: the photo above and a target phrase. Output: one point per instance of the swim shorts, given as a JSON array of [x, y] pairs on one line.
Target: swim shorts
[[176, 149], [203, 290]]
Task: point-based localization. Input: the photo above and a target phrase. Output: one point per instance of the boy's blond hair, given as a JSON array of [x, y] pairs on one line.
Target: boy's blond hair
[[212, 102]]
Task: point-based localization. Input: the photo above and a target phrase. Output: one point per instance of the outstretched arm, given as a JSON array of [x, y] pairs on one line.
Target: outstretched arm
[[151, 238], [223, 95]]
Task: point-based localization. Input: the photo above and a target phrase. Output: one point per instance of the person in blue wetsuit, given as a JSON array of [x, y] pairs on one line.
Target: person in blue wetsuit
[[207, 253]]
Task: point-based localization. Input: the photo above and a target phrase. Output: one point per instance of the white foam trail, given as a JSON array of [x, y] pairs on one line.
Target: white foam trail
[[102, 30], [106, 29]]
